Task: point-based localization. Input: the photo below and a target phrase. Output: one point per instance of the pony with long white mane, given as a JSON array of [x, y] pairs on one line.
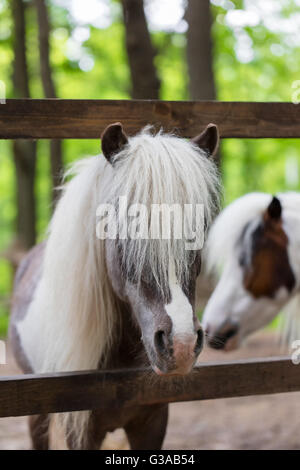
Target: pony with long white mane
[[253, 247], [84, 301]]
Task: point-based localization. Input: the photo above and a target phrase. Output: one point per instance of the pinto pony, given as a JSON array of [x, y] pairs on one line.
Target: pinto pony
[[86, 302], [254, 248]]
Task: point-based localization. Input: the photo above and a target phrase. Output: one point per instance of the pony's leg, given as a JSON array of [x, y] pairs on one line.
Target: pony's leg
[[39, 431], [93, 438], [92, 442], [148, 429]]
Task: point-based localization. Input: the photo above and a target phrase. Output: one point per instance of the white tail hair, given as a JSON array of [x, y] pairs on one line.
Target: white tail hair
[[80, 311]]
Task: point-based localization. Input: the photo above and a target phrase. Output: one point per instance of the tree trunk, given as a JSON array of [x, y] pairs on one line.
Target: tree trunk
[[199, 54], [140, 51], [49, 92], [199, 51], [201, 87], [24, 151]]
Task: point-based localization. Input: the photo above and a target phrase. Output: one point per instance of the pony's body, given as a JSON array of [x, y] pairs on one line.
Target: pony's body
[[81, 302], [254, 248], [144, 426]]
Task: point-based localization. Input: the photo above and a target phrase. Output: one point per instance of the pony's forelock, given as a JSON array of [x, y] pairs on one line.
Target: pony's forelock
[[162, 169]]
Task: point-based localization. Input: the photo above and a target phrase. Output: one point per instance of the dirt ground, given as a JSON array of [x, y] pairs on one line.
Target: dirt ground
[[266, 422]]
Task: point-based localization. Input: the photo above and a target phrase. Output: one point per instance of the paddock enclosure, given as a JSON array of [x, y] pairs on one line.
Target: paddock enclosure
[[86, 119]]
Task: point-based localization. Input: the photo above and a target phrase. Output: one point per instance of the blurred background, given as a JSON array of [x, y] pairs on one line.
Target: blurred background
[[230, 50]]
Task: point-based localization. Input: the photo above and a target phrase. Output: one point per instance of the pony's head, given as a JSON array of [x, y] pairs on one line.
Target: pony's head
[[156, 275], [252, 243]]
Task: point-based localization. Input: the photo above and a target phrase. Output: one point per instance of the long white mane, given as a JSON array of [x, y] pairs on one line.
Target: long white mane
[[80, 311], [227, 229]]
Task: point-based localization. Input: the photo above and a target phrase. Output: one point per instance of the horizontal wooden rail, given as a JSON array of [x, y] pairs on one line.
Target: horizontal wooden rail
[[86, 119], [34, 394]]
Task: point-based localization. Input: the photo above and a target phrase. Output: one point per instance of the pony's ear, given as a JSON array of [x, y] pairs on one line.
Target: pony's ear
[[274, 209], [113, 140], [208, 140]]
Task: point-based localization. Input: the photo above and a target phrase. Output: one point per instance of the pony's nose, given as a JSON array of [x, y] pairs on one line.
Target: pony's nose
[[177, 355], [220, 338], [186, 350], [161, 342], [200, 341]]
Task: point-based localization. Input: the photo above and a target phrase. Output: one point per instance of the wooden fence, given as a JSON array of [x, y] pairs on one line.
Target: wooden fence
[[33, 394], [66, 119]]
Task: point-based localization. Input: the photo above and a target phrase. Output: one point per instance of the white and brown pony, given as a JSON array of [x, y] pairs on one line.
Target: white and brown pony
[[254, 248], [86, 302]]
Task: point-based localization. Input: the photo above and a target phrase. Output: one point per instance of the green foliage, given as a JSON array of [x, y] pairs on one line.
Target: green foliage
[[171, 56], [97, 67], [256, 165]]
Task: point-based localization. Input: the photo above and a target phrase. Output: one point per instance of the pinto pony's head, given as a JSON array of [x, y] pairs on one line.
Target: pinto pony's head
[[151, 265], [252, 243]]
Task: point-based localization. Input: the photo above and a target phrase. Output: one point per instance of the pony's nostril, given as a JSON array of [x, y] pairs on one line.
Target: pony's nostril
[[160, 341], [231, 332], [199, 342], [220, 338]]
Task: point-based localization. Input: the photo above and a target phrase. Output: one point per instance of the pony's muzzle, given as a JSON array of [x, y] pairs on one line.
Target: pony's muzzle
[[225, 337], [177, 355]]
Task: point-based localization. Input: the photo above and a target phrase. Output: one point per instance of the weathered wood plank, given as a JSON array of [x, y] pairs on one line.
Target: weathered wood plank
[[25, 395], [86, 119]]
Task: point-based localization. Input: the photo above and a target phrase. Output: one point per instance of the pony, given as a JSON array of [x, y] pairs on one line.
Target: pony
[[87, 301], [253, 247]]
